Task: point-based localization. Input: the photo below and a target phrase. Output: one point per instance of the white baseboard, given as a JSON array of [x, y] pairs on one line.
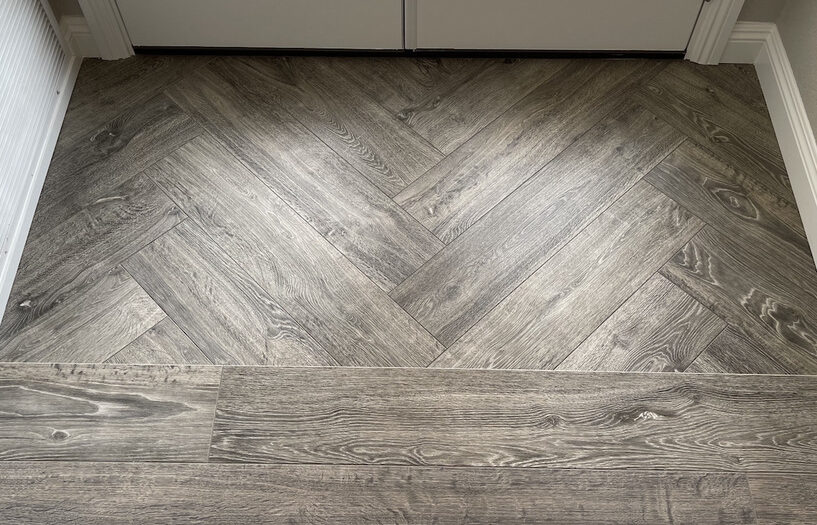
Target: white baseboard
[[18, 237], [759, 43], [78, 36]]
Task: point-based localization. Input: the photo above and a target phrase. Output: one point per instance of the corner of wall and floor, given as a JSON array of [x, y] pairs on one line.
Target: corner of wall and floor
[[760, 44]]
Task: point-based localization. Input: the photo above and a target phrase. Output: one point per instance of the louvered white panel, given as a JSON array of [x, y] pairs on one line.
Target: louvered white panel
[[36, 75]]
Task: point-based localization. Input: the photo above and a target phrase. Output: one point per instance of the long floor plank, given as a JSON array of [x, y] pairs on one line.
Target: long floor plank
[[87, 327], [346, 313], [87, 171], [473, 274], [105, 87], [729, 201], [595, 420], [145, 493], [784, 498], [736, 352], [106, 412], [65, 262], [399, 83], [227, 314], [466, 184], [716, 121], [164, 344], [381, 239], [753, 290], [329, 103], [658, 329], [565, 300], [451, 115]]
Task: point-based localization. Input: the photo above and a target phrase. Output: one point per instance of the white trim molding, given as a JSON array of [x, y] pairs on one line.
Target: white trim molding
[[78, 36], [759, 43], [712, 30], [106, 26]]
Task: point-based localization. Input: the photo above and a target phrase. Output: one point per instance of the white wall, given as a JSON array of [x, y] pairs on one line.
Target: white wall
[[797, 24]]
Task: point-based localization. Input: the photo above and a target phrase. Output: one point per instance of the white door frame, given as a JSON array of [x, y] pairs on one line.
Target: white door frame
[[712, 30], [706, 45], [107, 28]]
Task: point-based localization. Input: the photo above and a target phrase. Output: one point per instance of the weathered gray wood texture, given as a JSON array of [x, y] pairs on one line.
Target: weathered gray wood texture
[[453, 212]]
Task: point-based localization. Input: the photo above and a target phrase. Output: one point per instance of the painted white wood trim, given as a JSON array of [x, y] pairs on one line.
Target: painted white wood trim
[[713, 30], [107, 28], [18, 238], [746, 42], [410, 24], [78, 35], [759, 43]]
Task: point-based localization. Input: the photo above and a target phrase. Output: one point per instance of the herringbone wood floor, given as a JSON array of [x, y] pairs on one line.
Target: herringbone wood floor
[[624, 215]]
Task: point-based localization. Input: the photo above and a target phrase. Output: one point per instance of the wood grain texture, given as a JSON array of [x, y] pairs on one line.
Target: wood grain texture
[[474, 273], [568, 297], [452, 115], [381, 239], [751, 290], [658, 329], [397, 83], [105, 158], [734, 80], [453, 195], [713, 119], [516, 419], [70, 258], [333, 107], [736, 352], [163, 344], [784, 498], [729, 201], [148, 493], [227, 314], [106, 412], [88, 326], [104, 88], [345, 312]]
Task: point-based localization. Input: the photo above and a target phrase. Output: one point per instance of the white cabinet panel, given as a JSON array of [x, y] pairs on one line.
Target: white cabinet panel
[[339, 24], [621, 25]]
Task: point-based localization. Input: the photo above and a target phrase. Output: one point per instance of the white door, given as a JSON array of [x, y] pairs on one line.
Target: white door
[[610, 25], [338, 24]]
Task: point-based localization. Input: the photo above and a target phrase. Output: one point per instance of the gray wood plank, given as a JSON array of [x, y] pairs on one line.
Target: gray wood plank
[[106, 412], [104, 88], [784, 498], [474, 273], [594, 420], [567, 298], [752, 290], [381, 239], [465, 185], [148, 493], [346, 313], [90, 168], [452, 115], [741, 137], [333, 107], [87, 326], [735, 352], [658, 329], [163, 344], [73, 255], [397, 83], [738, 83], [230, 317], [729, 201]]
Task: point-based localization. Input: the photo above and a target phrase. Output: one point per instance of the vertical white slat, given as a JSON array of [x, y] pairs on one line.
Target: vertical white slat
[[34, 66]]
